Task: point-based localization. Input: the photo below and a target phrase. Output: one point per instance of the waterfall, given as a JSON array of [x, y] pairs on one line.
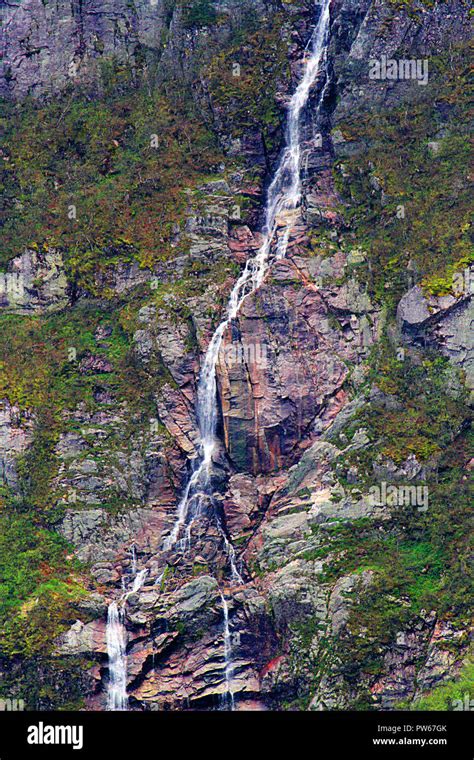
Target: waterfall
[[228, 698], [116, 638], [138, 582], [116, 650], [283, 198]]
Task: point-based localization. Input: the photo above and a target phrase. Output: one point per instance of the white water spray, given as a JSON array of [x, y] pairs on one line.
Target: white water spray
[[116, 638], [228, 697], [116, 650], [283, 199]]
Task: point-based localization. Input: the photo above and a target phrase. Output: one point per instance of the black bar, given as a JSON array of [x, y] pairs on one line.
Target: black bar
[[125, 736]]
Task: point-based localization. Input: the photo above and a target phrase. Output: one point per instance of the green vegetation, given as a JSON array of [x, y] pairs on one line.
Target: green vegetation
[[429, 408], [419, 561], [40, 358], [406, 185], [198, 13], [102, 180], [450, 695], [39, 584], [236, 77]]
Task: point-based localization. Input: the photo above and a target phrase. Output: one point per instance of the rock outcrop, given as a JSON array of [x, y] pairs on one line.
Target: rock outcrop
[[445, 321], [35, 282]]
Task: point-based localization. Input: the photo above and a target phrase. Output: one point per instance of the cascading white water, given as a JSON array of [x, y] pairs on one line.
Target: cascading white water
[[116, 638], [116, 650], [284, 196], [228, 697], [138, 582]]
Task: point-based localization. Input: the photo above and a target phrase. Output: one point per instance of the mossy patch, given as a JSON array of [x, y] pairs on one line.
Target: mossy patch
[[102, 179], [40, 583], [406, 185]]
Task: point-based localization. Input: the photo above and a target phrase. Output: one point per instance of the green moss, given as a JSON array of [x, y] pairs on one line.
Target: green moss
[[427, 417], [37, 467], [238, 95], [448, 696], [418, 562], [423, 221], [45, 683], [453, 277], [198, 13], [103, 180], [39, 585]]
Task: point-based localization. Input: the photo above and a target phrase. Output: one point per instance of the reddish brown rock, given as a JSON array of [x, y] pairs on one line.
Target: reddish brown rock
[[283, 362], [92, 365]]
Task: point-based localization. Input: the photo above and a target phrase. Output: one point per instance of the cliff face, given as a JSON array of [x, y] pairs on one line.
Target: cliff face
[[135, 188], [48, 46]]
